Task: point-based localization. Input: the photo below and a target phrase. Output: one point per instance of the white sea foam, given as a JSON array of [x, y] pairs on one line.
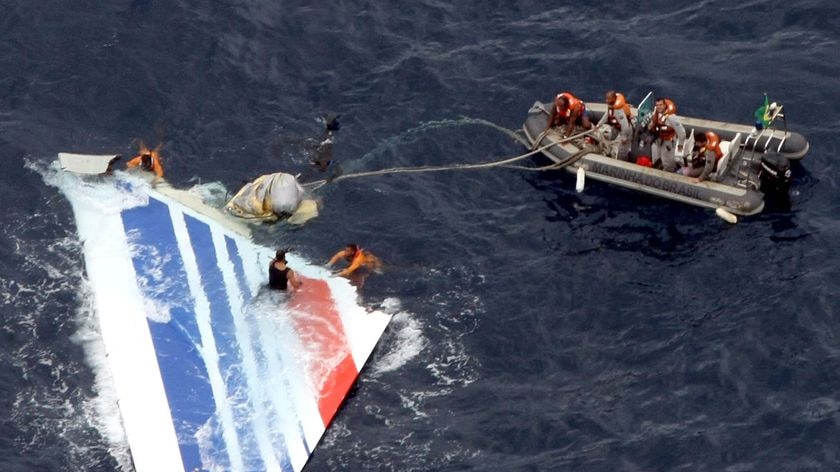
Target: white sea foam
[[104, 404], [391, 305], [409, 342], [102, 409], [213, 194], [109, 199]]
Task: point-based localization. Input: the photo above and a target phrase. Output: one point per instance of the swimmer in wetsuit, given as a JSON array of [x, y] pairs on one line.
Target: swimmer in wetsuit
[[280, 276]]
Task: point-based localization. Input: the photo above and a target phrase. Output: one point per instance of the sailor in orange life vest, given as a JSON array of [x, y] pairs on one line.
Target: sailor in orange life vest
[[149, 160], [665, 125], [280, 276], [703, 157], [568, 111], [618, 117], [356, 258]]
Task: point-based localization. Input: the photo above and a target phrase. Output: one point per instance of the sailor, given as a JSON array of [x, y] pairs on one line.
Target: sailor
[[280, 276], [703, 157], [148, 160], [568, 111], [618, 117], [359, 263], [665, 126]]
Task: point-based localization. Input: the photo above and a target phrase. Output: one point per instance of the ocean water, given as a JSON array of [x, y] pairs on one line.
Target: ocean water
[[539, 329]]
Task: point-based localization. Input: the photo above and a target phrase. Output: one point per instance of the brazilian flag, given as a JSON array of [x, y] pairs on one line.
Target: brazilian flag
[[762, 115]]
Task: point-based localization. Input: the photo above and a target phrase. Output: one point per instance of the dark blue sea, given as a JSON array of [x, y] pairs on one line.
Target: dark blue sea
[[539, 329]]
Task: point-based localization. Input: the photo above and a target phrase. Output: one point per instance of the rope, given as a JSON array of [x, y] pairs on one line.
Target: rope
[[557, 165], [414, 133], [483, 165]]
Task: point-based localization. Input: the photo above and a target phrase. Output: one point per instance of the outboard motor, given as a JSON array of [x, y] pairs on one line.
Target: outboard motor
[[774, 174]]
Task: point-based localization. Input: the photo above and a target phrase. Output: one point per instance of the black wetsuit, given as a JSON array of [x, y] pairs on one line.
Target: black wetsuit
[[278, 279]]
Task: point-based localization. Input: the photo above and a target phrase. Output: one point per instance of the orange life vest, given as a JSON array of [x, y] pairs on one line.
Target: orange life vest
[[620, 104], [574, 104], [358, 256], [151, 162], [663, 131], [713, 143]]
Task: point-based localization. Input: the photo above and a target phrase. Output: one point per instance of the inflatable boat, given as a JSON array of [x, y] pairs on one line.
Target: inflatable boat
[[754, 161], [211, 370]]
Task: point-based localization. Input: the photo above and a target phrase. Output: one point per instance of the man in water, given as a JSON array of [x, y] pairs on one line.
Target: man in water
[[356, 259], [280, 276], [148, 159], [323, 153]]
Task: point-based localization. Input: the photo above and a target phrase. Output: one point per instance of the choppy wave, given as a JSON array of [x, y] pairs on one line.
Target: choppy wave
[[538, 328]]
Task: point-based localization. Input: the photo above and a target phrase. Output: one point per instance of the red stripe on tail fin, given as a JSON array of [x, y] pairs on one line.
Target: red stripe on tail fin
[[328, 361]]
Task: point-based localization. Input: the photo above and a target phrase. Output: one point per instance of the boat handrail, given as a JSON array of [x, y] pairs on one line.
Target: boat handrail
[[781, 143]]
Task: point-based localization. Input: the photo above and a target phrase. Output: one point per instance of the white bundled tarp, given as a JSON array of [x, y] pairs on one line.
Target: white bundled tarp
[[268, 197]]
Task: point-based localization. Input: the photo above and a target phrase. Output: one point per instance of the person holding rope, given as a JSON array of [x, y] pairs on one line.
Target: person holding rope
[[568, 111]]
